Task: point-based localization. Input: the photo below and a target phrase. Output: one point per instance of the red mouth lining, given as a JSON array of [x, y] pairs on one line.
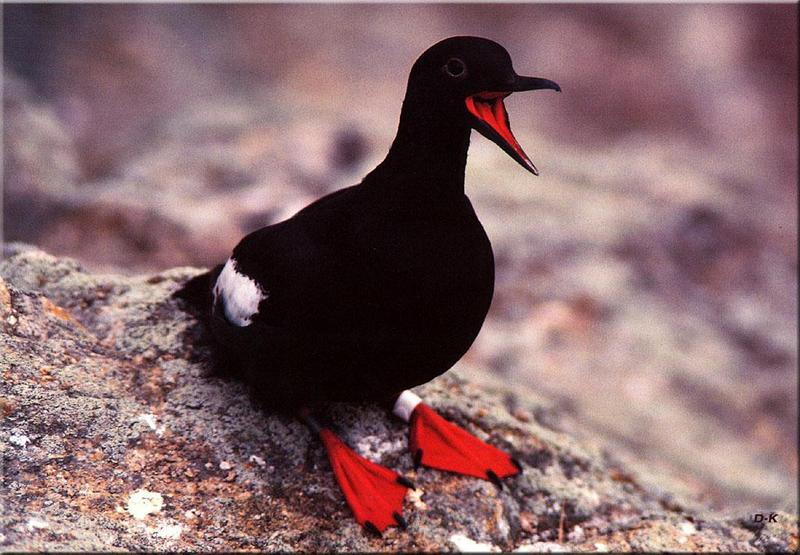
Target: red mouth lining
[[489, 108]]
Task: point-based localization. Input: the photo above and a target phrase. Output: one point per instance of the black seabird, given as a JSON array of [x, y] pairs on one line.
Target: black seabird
[[379, 287]]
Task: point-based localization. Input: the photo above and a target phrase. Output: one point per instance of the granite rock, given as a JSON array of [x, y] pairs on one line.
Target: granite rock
[[114, 437]]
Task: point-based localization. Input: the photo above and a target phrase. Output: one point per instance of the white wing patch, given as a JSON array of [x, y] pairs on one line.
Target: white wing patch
[[240, 294]]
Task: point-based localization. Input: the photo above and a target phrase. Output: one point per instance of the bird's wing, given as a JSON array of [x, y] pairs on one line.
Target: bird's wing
[[307, 272]]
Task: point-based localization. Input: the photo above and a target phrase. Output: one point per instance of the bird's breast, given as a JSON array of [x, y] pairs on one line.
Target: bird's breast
[[437, 277]]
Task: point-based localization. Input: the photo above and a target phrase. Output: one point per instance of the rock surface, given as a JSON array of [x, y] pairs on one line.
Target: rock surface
[[114, 438]]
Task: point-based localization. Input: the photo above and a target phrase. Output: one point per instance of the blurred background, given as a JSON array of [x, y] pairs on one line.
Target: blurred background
[[646, 281]]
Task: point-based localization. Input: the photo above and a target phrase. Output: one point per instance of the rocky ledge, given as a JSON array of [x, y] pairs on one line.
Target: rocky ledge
[[113, 437]]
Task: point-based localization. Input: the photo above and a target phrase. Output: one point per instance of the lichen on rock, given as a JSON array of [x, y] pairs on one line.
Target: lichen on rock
[[114, 437]]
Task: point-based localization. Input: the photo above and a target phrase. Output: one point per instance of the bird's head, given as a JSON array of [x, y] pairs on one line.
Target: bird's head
[[467, 78]]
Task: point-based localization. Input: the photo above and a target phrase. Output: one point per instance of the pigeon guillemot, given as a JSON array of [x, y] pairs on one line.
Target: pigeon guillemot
[[379, 287]]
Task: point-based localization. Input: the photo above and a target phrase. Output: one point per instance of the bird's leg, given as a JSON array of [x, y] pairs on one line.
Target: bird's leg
[[374, 493], [436, 443]]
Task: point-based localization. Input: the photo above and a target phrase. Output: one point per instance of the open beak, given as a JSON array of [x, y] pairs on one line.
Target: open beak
[[492, 118]]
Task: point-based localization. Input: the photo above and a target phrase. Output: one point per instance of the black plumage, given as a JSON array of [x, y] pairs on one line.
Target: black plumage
[[384, 285]]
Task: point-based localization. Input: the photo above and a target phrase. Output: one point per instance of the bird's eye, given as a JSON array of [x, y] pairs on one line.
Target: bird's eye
[[455, 68]]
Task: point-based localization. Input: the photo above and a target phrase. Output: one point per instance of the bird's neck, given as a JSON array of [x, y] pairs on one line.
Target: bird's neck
[[428, 157]]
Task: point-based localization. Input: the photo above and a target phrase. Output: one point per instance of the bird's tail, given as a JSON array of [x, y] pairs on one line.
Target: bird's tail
[[197, 292]]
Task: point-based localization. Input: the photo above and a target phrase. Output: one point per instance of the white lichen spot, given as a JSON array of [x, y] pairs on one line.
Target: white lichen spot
[[374, 447], [541, 547], [11, 320], [415, 495], [20, 440], [258, 460], [36, 523], [189, 515], [225, 465], [601, 547], [592, 497], [169, 531], [687, 528], [577, 534], [466, 545], [142, 503], [151, 421]]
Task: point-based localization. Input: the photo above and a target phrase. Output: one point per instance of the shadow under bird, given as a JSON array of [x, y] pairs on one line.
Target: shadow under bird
[[378, 287]]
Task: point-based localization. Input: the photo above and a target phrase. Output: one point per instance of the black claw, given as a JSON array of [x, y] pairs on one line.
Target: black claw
[[417, 459], [403, 481], [372, 529], [401, 522], [516, 463], [494, 479]]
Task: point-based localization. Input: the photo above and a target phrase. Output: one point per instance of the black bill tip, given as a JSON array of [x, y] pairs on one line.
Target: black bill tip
[[534, 83]]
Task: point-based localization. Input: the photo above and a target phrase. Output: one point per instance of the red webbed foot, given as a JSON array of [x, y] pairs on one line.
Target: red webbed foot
[[437, 443], [375, 493]]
